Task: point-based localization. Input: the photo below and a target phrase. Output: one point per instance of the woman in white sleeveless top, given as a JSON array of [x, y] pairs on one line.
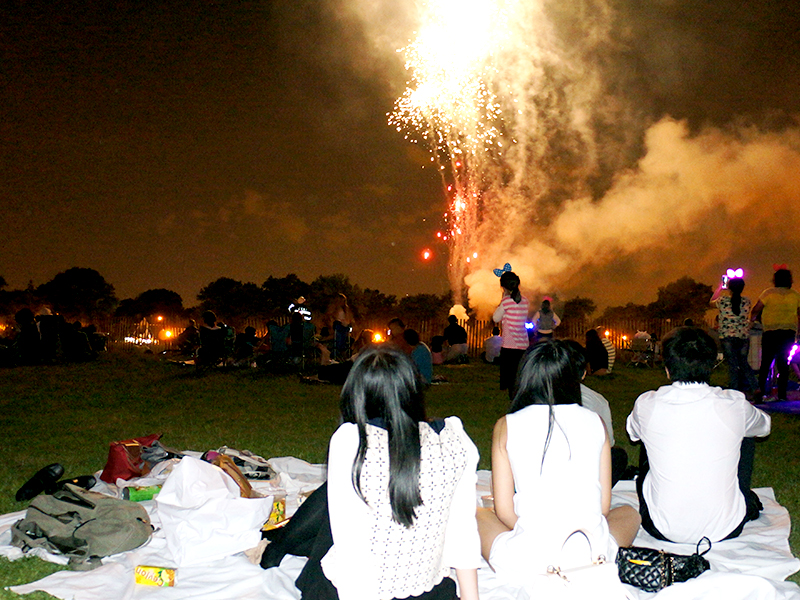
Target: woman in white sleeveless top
[[551, 475]]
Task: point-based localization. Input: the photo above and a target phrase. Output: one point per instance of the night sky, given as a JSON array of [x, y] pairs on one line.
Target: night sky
[[166, 144]]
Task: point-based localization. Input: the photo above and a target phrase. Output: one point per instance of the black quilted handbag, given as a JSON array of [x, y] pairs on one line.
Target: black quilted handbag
[[652, 570]]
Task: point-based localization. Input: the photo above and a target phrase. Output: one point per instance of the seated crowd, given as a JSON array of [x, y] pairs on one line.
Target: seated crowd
[[46, 339], [398, 509]]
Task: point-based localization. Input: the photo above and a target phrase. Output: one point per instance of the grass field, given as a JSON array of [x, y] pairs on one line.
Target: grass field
[[70, 413]]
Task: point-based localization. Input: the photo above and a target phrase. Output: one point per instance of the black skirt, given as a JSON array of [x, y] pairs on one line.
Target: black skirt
[[308, 533]]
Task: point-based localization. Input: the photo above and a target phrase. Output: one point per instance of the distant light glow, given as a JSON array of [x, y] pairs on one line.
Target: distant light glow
[[426, 254], [377, 338], [529, 325], [607, 333]]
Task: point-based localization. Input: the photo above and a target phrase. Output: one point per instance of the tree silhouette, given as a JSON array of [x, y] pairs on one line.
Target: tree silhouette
[[578, 308], [279, 292], [153, 302], [79, 293], [231, 299], [681, 299]]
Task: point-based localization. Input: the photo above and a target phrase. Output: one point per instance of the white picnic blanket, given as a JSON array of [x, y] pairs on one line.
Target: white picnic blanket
[[752, 567]]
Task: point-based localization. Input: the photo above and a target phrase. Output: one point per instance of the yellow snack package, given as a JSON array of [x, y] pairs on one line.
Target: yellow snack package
[[277, 517], [160, 576]]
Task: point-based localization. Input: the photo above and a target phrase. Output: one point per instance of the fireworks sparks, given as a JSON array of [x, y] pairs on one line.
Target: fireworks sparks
[[450, 107]]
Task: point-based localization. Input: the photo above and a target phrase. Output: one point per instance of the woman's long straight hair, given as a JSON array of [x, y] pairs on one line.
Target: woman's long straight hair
[[383, 385], [549, 374], [736, 286]]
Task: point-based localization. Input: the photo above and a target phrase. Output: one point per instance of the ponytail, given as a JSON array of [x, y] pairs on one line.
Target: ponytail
[[736, 286], [510, 281]]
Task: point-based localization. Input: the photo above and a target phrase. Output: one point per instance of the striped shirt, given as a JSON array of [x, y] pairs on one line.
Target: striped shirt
[[513, 317], [612, 353]]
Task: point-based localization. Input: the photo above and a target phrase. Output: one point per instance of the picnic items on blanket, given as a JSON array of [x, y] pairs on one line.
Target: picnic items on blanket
[[47, 480], [597, 579], [44, 480], [652, 570], [82, 525], [251, 465], [140, 494], [160, 576], [203, 515], [226, 464], [278, 517], [125, 459]]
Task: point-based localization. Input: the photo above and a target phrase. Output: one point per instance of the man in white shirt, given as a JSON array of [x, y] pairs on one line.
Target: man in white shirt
[[697, 455]]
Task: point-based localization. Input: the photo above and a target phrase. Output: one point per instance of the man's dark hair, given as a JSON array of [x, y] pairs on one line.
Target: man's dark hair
[[689, 355], [398, 321], [452, 319], [411, 337], [578, 354], [782, 278], [495, 331]]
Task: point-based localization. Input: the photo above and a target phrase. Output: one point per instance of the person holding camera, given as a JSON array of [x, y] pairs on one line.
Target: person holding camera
[[734, 331]]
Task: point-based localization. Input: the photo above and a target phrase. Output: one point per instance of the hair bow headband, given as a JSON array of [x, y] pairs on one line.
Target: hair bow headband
[[735, 273], [506, 268], [777, 267]]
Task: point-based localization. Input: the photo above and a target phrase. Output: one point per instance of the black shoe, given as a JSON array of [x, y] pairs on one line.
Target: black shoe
[[44, 479], [86, 482]]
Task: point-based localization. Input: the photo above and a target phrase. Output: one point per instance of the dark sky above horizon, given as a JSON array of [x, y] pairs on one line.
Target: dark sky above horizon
[[167, 144]]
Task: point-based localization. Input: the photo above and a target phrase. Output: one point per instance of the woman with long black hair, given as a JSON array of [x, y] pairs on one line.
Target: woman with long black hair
[[734, 332], [398, 509], [551, 475]]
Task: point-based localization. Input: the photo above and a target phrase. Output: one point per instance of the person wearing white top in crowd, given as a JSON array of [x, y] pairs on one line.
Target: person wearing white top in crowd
[[551, 475], [398, 509], [492, 346], [697, 452]]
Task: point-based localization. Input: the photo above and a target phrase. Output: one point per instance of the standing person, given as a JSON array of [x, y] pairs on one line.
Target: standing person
[[696, 459], [398, 509], [545, 321], [512, 313], [734, 332], [551, 476], [778, 308]]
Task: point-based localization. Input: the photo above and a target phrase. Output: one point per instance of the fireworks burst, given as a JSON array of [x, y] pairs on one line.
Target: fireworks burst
[[450, 107]]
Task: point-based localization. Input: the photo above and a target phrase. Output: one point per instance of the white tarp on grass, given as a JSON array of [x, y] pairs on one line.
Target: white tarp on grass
[[751, 567]]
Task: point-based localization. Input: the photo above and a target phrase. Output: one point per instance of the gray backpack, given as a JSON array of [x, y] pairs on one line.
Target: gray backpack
[[82, 525]]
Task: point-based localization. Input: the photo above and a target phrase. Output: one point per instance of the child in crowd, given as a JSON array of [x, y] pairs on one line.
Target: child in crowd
[[697, 454], [512, 313], [398, 509], [545, 321]]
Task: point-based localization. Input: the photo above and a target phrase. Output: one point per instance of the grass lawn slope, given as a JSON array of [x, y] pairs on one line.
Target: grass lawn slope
[[70, 413]]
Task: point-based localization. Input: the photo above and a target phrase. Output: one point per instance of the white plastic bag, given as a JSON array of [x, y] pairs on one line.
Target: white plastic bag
[[203, 516]]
